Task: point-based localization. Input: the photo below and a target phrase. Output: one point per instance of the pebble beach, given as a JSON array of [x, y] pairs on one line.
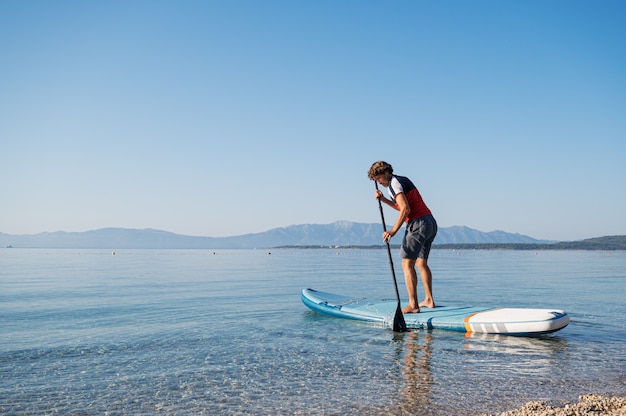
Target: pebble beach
[[588, 404]]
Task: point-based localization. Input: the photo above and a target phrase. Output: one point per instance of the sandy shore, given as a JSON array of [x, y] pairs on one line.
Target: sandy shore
[[589, 404]]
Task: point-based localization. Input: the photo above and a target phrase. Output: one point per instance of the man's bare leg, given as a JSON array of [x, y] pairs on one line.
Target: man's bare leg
[[410, 279], [427, 280]]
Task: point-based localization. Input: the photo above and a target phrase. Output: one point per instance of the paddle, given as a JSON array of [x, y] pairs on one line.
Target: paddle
[[398, 320]]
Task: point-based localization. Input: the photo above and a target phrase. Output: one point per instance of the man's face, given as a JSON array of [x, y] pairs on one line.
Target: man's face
[[383, 179]]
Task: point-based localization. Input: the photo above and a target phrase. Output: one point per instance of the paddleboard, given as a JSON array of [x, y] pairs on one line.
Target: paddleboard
[[511, 321]]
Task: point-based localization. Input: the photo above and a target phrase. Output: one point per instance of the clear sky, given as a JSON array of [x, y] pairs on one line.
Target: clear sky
[[222, 118]]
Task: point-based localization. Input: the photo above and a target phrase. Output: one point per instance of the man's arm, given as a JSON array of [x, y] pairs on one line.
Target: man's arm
[[402, 205]]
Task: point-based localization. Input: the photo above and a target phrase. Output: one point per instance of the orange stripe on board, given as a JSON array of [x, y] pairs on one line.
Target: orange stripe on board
[[468, 328]]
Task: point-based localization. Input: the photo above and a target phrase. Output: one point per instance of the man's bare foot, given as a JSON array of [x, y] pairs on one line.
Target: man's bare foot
[[427, 304], [410, 309]]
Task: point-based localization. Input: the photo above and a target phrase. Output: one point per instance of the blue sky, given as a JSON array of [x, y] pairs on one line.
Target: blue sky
[[221, 118]]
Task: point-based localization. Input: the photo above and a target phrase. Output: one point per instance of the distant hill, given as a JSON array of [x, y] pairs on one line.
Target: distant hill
[[615, 242], [465, 235], [340, 233]]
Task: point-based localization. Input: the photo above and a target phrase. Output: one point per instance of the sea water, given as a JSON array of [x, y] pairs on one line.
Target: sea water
[[193, 332]]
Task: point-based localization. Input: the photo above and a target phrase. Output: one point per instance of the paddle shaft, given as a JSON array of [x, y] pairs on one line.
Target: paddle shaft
[[398, 321]]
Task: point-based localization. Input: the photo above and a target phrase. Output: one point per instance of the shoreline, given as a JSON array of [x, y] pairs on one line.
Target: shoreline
[[588, 404]]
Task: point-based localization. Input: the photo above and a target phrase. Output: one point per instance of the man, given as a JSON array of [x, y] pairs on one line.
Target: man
[[421, 229]]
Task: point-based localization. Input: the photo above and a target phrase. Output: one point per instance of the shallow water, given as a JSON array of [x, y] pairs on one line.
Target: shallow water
[[192, 332]]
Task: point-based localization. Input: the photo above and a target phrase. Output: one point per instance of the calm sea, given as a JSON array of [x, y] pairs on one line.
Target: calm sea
[[194, 332]]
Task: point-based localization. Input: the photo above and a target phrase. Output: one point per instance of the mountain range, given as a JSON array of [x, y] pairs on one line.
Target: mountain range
[[340, 233]]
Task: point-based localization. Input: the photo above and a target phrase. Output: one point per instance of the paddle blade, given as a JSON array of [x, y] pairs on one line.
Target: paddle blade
[[398, 321]]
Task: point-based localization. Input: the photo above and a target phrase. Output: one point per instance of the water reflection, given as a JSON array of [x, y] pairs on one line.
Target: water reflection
[[547, 346], [414, 351], [436, 378]]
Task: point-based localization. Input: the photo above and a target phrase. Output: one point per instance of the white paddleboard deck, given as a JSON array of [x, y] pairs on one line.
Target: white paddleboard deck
[[511, 321]]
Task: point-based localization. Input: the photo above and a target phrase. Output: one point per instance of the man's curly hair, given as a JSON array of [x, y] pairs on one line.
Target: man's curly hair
[[379, 168]]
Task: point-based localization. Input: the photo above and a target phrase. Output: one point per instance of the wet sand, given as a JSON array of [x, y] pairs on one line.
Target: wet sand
[[588, 404]]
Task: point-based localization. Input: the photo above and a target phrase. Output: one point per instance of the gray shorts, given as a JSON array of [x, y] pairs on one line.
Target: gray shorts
[[418, 238]]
